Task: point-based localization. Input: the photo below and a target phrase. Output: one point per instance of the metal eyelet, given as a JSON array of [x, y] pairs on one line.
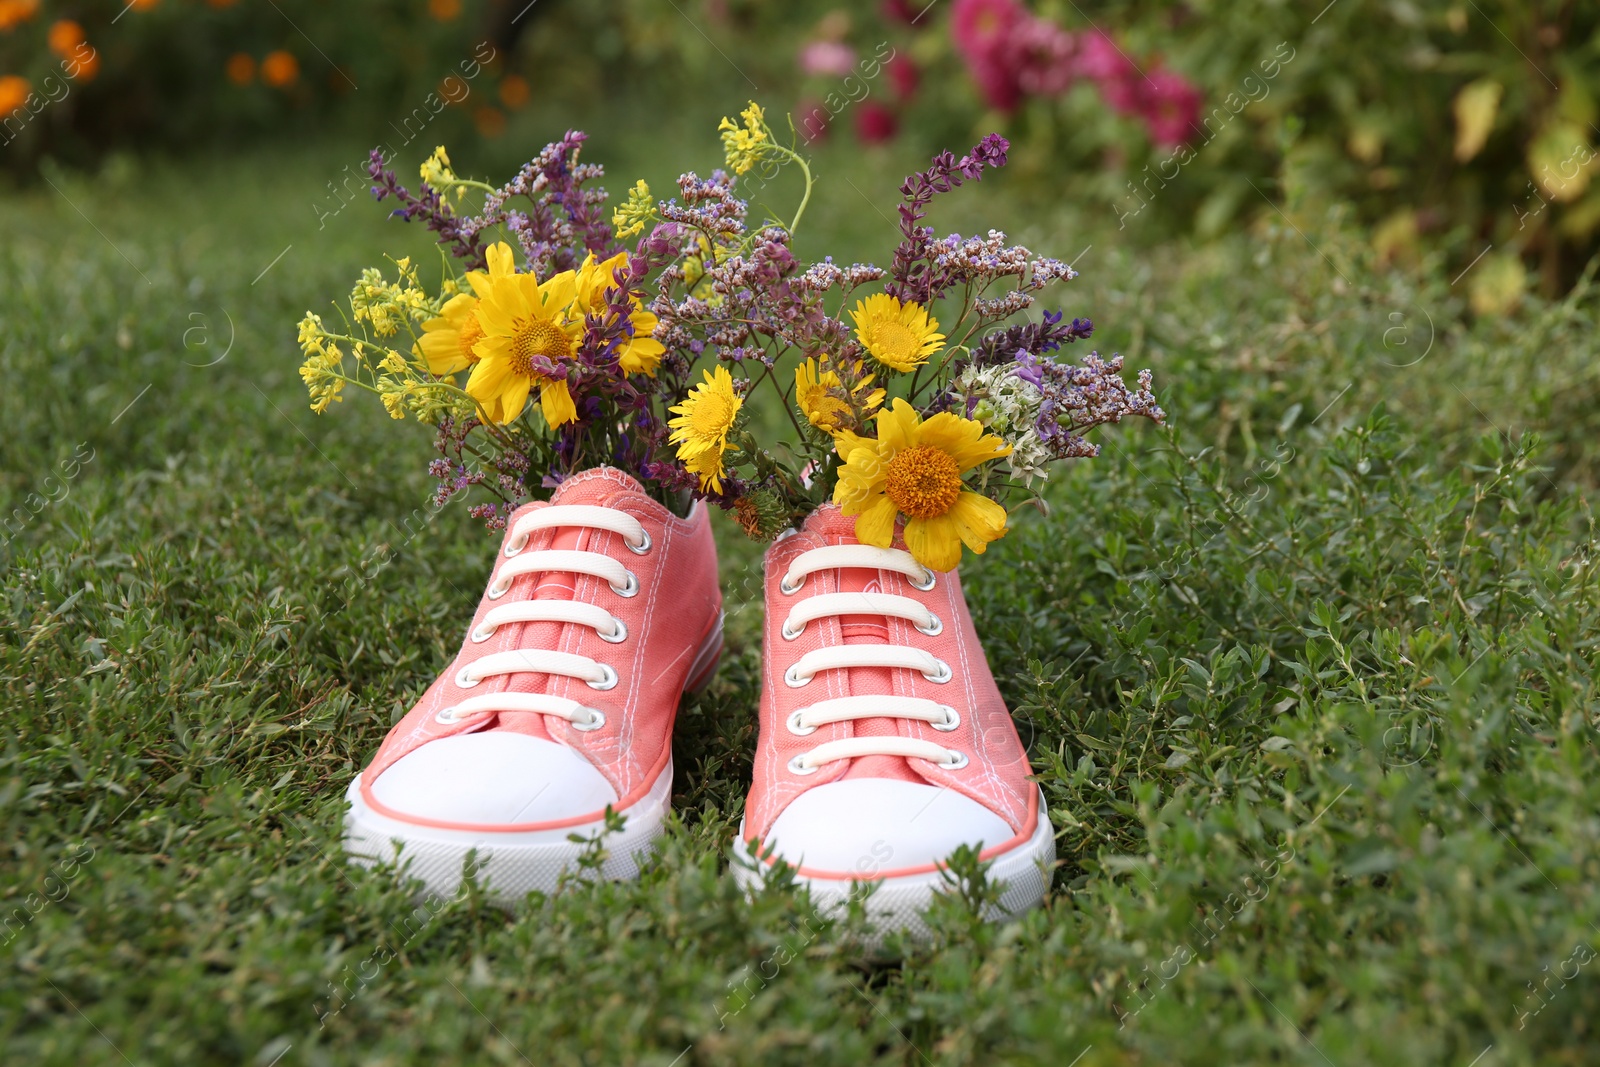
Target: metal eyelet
[[793, 679], [608, 678], [465, 680], [447, 716], [630, 588], [496, 590], [955, 764], [795, 726], [597, 719], [951, 720], [935, 629], [618, 635], [642, 547], [790, 635], [933, 580], [513, 547], [482, 634], [941, 674], [797, 767], [788, 590]]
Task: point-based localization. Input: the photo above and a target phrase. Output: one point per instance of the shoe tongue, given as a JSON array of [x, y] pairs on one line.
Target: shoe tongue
[[834, 528], [832, 525], [593, 486], [598, 485]]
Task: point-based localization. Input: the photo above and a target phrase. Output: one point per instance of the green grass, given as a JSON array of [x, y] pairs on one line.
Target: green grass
[[1308, 682]]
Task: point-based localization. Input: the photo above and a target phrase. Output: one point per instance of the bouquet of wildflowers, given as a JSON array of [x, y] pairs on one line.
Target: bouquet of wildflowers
[[920, 396]]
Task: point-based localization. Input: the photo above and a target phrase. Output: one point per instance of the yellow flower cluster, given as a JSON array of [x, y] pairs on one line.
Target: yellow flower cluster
[[745, 145], [323, 364], [378, 308], [436, 172], [386, 305], [639, 209]]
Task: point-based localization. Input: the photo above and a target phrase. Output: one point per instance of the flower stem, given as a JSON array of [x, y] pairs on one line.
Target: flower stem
[[805, 197]]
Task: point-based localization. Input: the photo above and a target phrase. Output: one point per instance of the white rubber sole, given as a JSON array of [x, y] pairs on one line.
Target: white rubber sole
[[508, 865], [511, 865], [901, 903]]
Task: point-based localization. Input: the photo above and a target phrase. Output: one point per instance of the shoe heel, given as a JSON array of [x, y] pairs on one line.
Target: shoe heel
[[706, 661]]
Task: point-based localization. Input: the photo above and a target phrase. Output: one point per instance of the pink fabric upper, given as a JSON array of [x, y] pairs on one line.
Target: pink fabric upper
[[676, 610], [997, 774]]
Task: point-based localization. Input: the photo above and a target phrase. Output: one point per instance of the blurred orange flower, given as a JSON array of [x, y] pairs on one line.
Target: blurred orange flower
[[88, 67], [491, 121], [143, 5], [241, 69], [16, 12], [514, 91], [279, 69], [64, 36], [444, 10], [13, 92]]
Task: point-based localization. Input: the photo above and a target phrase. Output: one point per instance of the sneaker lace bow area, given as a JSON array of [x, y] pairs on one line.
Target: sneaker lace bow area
[[595, 674], [807, 719]]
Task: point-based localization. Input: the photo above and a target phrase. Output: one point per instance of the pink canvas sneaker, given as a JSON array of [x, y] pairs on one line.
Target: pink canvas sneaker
[[884, 742], [602, 609]]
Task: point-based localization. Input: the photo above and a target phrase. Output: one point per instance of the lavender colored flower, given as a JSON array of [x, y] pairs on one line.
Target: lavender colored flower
[[455, 232], [913, 276]]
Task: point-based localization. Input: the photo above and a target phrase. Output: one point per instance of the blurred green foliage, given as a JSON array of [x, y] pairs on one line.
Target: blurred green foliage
[[181, 75], [1463, 126]]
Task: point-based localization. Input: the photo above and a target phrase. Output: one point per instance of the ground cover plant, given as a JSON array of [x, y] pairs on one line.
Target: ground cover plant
[[1307, 678]]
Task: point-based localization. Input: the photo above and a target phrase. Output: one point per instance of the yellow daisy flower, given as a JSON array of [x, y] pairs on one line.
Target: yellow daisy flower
[[447, 342], [642, 353], [914, 468], [522, 318], [704, 421], [901, 336], [821, 395]]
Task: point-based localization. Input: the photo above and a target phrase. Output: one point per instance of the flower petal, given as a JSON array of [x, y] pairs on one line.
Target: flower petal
[[501, 262], [897, 428], [978, 520], [442, 349], [558, 292], [555, 399], [934, 542], [875, 525]]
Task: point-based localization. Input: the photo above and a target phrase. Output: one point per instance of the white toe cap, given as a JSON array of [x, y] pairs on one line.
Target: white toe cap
[[493, 779], [863, 827]]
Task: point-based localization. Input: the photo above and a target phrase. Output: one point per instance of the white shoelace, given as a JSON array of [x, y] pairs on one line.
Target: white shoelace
[[596, 675], [807, 719]]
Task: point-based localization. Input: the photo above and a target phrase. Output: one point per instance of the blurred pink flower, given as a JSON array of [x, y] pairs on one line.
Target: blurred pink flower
[[981, 27], [1170, 107], [906, 11], [828, 57], [997, 82], [1042, 55], [904, 76], [1012, 55], [875, 123], [1099, 58]]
